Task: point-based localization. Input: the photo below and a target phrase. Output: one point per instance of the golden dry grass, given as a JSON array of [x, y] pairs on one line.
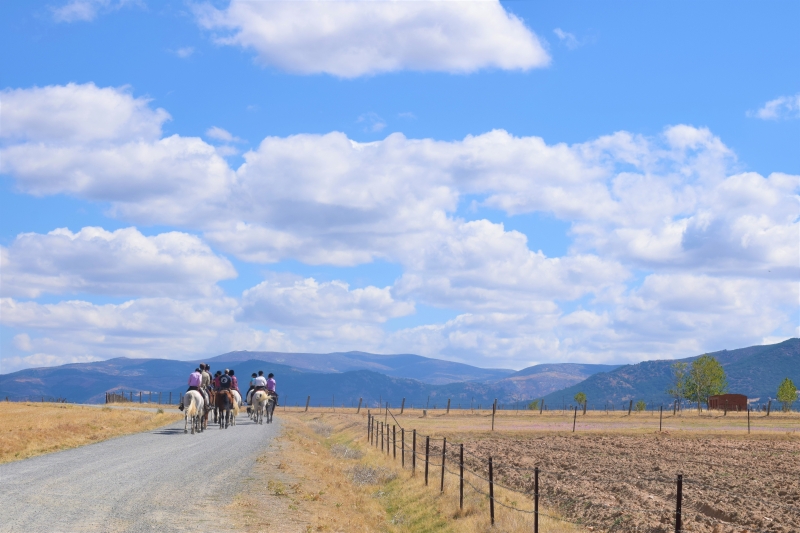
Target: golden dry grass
[[321, 487], [31, 429]]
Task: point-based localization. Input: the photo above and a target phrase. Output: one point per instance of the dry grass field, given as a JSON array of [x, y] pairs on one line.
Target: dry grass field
[[615, 473], [326, 477], [31, 429]]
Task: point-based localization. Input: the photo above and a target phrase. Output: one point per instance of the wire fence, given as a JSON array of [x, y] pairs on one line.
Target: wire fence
[[668, 506]]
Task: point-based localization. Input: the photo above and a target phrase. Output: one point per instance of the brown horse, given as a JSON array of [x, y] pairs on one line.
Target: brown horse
[[210, 407], [224, 403]]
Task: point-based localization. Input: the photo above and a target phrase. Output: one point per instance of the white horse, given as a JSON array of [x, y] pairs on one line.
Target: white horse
[[193, 413], [237, 403], [261, 402]]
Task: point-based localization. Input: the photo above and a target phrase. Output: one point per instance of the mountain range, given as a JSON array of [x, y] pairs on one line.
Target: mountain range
[[755, 372], [342, 378]]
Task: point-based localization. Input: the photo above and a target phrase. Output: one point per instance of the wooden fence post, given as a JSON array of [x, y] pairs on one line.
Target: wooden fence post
[[140, 396], [461, 478], [494, 410], [769, 406], [748, 419], [678, 498], [584, 406], [574, 419], [402, 447], [536, 500], [630, 407], [359, 405], [413, 452], [660, 417], [427, 457], [394, 442], [491, 491], [402, 406], [541, 407], [307, 402], [448, 407], [444, 456]]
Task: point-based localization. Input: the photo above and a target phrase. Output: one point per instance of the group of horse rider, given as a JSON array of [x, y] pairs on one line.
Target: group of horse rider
[[202, 381]]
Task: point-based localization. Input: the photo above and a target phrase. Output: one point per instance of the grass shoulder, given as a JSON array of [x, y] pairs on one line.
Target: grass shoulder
[[31, 429]]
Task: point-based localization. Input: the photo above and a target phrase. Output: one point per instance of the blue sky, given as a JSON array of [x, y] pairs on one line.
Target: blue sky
[[638, 201]]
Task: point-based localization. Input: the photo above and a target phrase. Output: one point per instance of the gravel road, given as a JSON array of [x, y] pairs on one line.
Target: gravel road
[[161, 481]]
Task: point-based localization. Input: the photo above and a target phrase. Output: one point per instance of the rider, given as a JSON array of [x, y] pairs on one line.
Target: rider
[[225, 381], [271, 386], [205, 385], [195, 380], [215, 381], [234, 382], [260, 383]]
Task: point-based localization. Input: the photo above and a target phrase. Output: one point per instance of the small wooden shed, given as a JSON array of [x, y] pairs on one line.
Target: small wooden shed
[[730, 402]]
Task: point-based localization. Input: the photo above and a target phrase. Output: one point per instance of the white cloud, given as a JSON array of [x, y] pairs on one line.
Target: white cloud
[[76, 113], [308, 303], [87, 10], [783, 107], [219, 134], [121, 263], [350, 39], [648, 215]]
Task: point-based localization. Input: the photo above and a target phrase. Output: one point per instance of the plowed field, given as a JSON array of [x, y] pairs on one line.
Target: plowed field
[[628, 482]]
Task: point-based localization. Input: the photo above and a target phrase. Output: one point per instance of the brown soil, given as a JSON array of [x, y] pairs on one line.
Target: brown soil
[[628, 482]]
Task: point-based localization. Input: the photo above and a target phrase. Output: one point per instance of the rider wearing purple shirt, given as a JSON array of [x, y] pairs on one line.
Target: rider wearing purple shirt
[[271, 386]]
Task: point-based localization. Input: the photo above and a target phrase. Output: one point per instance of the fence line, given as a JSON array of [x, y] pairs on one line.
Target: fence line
[[677, 513]]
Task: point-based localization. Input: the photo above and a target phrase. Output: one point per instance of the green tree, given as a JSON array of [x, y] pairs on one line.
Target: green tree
[[534, 405], [640, 406], [705, 378], [680, 373], [580, 398], [787, 393]]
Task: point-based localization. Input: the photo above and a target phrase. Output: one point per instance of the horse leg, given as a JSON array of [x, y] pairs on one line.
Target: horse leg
[[185, 423]]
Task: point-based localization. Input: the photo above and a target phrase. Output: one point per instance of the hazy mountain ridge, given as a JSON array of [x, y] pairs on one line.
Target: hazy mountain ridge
[[755, 371], [424, 369]]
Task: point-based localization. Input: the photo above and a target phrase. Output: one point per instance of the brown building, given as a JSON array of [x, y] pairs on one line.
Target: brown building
[[734, 402]]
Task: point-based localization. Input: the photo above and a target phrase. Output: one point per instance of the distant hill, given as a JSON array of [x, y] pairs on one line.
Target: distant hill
[[425, 369], [755, 371], [536, 381], [88, 382]]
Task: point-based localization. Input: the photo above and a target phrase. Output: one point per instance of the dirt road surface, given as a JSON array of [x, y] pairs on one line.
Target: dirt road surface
[[161, 481]]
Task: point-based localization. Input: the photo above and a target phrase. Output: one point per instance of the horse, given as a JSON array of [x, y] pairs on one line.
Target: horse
[[237, 403], [210, 406], [194, 403], [224, 404], [260, 402], [270, 408]]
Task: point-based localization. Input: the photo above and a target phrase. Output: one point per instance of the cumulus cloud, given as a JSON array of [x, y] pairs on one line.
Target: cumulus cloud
[[147, 327], [307, 302], [350, 39], [78, 113], [645, 213], [783, 107], [119, 263]]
